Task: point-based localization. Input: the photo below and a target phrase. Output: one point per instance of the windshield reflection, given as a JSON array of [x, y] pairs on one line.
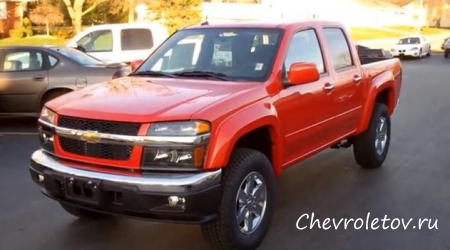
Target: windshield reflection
[[210, 53]]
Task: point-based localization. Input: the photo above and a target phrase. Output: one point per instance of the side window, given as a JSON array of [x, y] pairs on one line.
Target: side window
[[52, 60], [22, 61], [338, 48], [183, 56], [136, 39], [97, 41], [305, 47]]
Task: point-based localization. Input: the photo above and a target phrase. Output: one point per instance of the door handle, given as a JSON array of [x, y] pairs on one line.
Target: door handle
[[38, 78], [328, 87], [357, 78]]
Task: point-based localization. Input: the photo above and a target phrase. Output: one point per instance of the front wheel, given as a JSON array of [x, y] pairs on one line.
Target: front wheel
[[371, 147], [247, 204]]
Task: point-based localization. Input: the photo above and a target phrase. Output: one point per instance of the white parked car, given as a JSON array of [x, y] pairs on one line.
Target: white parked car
[[412, 46], [116, 43]]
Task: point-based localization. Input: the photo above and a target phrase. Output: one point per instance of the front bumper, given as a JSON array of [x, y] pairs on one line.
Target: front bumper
[[144, 196], [412, 53]]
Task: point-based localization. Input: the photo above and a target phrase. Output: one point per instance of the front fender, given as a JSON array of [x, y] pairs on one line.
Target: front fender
[[382, 82], [229, 131]]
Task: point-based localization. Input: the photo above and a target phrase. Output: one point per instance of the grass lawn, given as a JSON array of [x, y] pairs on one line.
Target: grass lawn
[[36, 40], [363, 33], [423, 31]]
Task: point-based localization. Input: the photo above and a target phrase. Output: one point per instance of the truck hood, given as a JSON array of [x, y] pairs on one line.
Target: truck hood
[[141, 99]]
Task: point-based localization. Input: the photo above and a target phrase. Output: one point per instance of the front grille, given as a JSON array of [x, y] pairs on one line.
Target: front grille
[[97, 150], [117, 128]]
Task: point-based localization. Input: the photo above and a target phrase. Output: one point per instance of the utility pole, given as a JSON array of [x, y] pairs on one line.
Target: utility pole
[[419, 21]]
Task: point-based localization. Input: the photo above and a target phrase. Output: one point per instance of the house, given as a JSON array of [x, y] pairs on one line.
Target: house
[[11, 15]]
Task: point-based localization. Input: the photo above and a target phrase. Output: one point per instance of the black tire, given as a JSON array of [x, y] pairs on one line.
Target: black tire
[[446, 54], [420, 54], [364, 148], [429, 52], [224, 232], [83, 213]]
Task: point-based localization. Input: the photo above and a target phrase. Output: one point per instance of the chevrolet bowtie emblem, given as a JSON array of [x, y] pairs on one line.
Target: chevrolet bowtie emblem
[[90, 136]]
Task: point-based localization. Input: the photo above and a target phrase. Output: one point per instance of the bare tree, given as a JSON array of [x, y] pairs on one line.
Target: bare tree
[[77, 10], [47, 14]]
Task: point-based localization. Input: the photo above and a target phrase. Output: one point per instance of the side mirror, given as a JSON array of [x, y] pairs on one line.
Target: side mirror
[[135, 64], [303, 73]]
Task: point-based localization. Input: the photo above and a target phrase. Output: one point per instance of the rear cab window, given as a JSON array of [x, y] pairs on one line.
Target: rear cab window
[[136, 39], [338, 48]]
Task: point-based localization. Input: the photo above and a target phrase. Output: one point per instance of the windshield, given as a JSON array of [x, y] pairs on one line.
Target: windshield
[[244, 54], [78, 56], [409, 40]]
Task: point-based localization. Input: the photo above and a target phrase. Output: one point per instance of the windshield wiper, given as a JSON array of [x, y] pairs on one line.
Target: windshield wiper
[[198, 73], [151, 73]]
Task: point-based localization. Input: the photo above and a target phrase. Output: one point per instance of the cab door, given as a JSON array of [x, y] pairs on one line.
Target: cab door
[[23, 79], [348, 84], [304, 109]]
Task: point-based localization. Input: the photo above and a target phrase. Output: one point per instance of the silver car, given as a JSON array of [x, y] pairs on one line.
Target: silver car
[[32, 75]]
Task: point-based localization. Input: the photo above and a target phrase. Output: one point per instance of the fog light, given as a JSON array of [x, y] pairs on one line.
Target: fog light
[[175, 201], [41, 178]]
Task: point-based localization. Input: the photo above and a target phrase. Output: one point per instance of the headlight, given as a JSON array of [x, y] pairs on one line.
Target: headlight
[[187, 128], [45, 132], [182, 157], [48, 116], [415, 48], [393, 50]]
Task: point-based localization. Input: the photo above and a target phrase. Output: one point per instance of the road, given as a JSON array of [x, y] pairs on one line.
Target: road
[[414, 183]]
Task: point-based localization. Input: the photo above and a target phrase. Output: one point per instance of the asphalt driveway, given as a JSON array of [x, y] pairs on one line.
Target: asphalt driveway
[[414, 183]]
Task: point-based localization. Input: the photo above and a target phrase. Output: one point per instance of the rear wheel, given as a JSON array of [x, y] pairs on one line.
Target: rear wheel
[[371, 147], [83, 213], [429, 52], [247, 204], [446, 53]]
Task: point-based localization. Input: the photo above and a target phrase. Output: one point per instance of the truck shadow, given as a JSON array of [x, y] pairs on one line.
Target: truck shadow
[[18, 125]]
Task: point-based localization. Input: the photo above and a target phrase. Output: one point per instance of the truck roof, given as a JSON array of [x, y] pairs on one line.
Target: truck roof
[[283, 24]]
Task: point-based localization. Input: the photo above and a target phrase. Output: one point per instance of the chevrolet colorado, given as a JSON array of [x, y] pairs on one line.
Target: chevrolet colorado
[[198, 132]]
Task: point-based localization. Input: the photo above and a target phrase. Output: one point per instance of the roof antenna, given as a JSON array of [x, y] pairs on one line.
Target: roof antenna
[[205, 22]]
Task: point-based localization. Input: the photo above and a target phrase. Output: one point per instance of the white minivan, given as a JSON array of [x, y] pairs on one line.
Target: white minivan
[[116, 43]]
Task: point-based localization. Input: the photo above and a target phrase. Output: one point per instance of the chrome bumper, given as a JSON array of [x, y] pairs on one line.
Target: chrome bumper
[[152, 182]]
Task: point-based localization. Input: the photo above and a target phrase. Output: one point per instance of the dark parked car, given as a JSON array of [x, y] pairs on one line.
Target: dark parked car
[[33, 75]]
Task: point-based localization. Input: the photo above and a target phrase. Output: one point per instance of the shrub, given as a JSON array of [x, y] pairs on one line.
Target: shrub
[[26, 26], [17, 33], [63, 33]]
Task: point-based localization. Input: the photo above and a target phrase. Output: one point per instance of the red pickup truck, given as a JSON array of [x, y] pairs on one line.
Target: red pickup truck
[[199, 131]]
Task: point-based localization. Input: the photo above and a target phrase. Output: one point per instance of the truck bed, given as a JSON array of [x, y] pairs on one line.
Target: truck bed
[[373, 70]]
